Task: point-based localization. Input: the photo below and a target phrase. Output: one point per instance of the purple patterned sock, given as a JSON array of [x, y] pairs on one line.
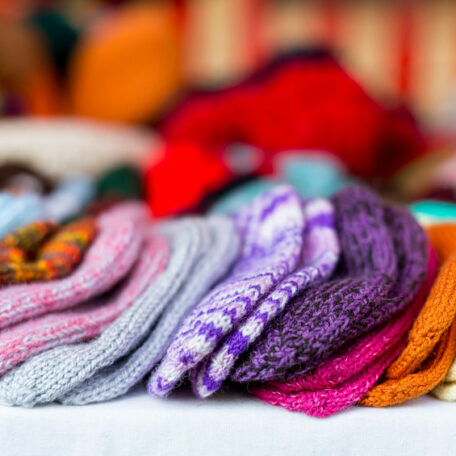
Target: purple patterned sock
[[271, 230], [324, 319], [318, 259]]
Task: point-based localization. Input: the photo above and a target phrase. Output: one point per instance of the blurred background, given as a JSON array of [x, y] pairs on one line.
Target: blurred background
[[157, 64]]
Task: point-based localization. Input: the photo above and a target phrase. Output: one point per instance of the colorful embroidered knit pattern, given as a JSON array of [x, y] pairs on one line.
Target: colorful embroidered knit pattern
[[17, 246], [344, 380], [271, 229], [319, 256], [431, 345], [362, 296], [55, 259], [21, 341], [107, 260]]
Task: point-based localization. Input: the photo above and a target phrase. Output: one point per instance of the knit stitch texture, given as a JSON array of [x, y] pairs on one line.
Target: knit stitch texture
[[55, 259], [50, 375], [108, 259], [319, 257], [21, 341], [431, 343], [271, 230], [212, 265], [324, 319], [343, 381]]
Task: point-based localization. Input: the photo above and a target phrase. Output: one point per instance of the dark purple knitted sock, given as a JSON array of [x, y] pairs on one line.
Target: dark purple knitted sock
[[377, 243]]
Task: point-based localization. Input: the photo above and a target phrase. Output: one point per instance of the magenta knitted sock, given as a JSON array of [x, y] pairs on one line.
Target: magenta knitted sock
[[343, 381], [19, 342], [109, 258]]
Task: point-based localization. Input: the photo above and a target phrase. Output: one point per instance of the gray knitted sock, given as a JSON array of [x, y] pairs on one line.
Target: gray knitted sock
[[116, 380], [51, 374]]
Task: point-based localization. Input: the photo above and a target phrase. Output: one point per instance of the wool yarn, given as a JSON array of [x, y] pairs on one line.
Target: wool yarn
[[431, 345], [319, 256], [58, 146], [55, 259], [16, 246], [20, 342], [271, 230], [344, 380], [50, 375], [212, 265], [108, 259], [319, 322]]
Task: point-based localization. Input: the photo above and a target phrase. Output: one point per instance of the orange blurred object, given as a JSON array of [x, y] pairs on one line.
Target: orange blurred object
[[127, 68]]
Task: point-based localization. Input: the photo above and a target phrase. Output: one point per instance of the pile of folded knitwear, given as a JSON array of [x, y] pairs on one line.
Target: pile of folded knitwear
[[312, 295]]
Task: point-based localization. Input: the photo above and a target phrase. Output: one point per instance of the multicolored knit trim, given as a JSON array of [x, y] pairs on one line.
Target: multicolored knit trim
[[55, 259]]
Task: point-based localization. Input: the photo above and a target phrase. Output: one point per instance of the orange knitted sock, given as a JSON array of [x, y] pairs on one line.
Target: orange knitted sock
[[432, 337]]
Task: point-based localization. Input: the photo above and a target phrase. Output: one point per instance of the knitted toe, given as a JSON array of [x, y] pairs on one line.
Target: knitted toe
[[324, 319], [319, 257], [271, 231], [439, 310], [396, 391], [20, 342], [107, 260], [213, 264], [50, 375]]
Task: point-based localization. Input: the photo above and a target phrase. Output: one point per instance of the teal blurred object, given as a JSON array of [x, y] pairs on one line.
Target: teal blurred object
[[242, 195], [429, 212], [312, 175]]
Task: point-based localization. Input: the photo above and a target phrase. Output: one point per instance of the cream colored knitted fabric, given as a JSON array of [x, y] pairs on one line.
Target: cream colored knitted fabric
[[59, 146]]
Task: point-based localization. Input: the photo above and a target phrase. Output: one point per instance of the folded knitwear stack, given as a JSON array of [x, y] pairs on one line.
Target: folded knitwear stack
[[284, 276], [311, 304]]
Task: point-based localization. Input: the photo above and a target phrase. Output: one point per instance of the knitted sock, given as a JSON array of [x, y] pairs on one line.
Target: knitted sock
[[318, 323], [68, 200], [343, 381], [16, 246], [271, 229], [439, 310], [50, 375], [318, 259], [108, 259], [117, 380], [55, 259], [431, 340], [395, 391], [21, 341]]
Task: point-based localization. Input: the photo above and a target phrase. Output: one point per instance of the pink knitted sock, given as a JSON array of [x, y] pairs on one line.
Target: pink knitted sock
[[343, 381], [19, 342], [109, 258]]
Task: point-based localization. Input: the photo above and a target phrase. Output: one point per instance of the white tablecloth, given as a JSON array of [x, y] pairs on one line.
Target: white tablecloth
[[229, 424]]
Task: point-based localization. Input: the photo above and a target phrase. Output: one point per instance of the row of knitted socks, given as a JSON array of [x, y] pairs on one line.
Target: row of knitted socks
[[344, 380], [54, 373], [287, 246], [212, 265]]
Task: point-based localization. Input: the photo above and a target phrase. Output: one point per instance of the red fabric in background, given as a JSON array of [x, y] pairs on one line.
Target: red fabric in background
[[303, 101]]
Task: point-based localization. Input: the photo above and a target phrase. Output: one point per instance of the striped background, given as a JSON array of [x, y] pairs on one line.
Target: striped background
[[393, 48]]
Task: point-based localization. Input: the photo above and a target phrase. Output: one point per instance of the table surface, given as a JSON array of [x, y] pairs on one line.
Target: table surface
[[231, 424]]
